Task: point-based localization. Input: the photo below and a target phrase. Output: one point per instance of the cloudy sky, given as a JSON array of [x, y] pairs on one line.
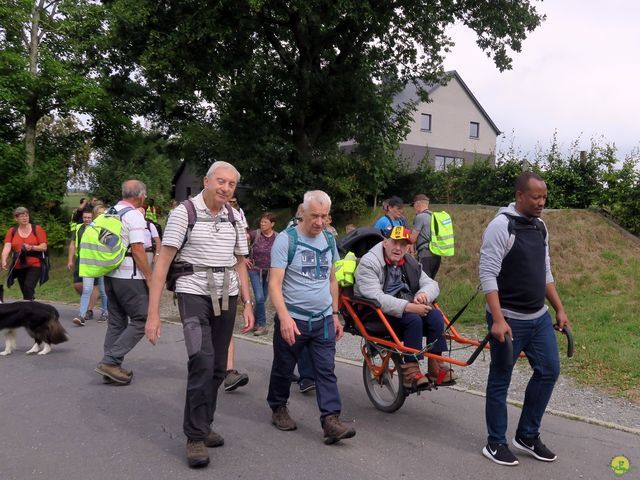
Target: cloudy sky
[[578, 74]]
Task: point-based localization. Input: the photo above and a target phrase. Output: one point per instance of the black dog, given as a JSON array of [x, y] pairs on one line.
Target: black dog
[[39, 319]]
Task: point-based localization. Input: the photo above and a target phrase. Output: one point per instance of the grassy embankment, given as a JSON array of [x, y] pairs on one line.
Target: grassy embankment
[[597, 270]]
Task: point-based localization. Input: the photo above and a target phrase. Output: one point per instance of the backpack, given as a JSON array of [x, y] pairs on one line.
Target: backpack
[[178, 269], [45, 264], [101, 247], [442, 240], [292, 233]]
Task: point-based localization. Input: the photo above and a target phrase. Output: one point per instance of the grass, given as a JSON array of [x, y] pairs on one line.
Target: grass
[[596, 268]]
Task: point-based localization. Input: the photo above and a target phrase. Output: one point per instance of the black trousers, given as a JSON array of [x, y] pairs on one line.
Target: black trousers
[[27, 279], [430, 264], [207, 338]]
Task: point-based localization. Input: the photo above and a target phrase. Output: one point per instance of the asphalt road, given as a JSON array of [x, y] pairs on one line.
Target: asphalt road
[[59, 421]]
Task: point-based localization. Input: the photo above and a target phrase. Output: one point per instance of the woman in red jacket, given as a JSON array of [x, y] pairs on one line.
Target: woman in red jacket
[[28, 242]]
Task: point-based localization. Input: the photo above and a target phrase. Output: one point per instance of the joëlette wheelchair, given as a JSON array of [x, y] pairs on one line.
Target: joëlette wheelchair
[[381, 347]]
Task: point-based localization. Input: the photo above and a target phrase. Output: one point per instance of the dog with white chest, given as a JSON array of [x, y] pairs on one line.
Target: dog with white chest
[[41, 321]]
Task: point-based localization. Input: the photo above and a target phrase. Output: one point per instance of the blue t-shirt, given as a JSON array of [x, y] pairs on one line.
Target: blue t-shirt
[[385, 224], [306, 280]]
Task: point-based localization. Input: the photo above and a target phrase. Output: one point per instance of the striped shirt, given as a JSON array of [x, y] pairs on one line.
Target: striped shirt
[[213, 242], [133, 227]]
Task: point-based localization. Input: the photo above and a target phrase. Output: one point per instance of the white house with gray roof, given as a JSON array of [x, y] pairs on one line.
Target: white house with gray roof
[[452, 129]]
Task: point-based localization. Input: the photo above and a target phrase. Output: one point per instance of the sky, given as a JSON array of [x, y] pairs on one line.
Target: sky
[[578, 74]]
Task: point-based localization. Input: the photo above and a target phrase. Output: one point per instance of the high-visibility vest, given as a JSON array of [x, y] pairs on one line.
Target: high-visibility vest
[[442, 241], [151, 214], [345, 270], [77, 236], [101, 248]]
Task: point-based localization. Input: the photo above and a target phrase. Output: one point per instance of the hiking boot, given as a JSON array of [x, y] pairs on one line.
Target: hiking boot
[[261, 330], [128, 373], [114, 372], [534, 447], [197, 454], [281, 419], [335, 430], [306, 385], [214, 440], [233, 379], [412, 377], [89, 315], [79, 321], [103, 317], [500, 454]]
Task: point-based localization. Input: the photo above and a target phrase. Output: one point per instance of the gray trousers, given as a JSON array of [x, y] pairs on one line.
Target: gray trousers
[[430, 263], [207, 338], [128, 303]]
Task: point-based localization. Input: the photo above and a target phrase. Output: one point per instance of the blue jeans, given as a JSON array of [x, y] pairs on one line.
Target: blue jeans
[[322, 352], [87, 290], [412, 327], [537, 339], [260, 285]]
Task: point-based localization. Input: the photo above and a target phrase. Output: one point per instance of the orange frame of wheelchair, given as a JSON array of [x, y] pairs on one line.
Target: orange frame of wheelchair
[[347, 303]]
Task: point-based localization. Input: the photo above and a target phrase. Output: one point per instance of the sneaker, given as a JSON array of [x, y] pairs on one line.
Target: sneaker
[[500, 454], [214, 440], [197, 454], [281, 419], [233, 379], [114, 372], [534, 447], [103, 317], [89, 315], [79, 321], [306, 385], [335, 430], [261, 330]]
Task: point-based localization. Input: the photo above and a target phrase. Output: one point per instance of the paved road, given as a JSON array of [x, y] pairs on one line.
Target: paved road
[[60, 422]]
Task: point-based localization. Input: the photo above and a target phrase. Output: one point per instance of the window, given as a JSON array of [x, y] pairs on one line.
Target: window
[[425, 122], [443, 162], [474, 130]]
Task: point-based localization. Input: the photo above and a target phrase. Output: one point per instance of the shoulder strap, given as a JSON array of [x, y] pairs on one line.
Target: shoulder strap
[[536, 223], [292, 233], [232, 217], [192, 218], [331, 240]]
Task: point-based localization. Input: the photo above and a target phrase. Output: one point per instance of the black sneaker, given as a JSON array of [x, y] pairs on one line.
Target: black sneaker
[[500, 453], [89, 315], [306, 385], [535, 448]]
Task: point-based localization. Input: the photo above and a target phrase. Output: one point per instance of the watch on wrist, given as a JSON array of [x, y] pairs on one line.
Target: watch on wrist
[[248, 302], [335, 313]]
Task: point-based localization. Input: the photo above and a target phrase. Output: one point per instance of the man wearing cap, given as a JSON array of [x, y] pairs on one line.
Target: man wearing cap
[[393, 217], [394, 279], [421, 236]]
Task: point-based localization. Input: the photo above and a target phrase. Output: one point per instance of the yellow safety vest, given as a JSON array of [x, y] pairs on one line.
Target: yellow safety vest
[[152, 214], [442, 241], [345, 270]]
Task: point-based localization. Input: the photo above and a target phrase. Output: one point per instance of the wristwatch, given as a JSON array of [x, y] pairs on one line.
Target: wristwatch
[[247, 302], [335, 313]]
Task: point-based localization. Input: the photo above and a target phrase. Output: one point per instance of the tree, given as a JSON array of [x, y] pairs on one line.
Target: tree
[[284, 81], [43, 60]]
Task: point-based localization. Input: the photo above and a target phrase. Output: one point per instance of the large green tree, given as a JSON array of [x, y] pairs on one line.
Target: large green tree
[[284, 80]]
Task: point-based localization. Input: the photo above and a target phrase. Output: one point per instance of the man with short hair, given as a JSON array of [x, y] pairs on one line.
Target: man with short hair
[[421, 236], [127, 288], [304, 292], [393, 217], [393, 278], [516, 277], [213, 272]]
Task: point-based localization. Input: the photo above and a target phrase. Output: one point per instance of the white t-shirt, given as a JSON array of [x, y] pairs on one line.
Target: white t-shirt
[[213, 242], [133, 227]]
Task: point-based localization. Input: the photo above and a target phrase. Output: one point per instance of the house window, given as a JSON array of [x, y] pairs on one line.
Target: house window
[[474, 130], [425, 122], [443, 162]]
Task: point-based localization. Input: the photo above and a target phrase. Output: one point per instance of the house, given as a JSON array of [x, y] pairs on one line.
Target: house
[[186, 182], [452, 129]]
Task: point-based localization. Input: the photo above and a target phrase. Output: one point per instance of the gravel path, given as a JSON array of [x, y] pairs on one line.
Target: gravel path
[[568, 397]]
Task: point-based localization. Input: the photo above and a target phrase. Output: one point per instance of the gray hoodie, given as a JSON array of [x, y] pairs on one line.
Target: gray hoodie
[[496, 243], [370, 279]]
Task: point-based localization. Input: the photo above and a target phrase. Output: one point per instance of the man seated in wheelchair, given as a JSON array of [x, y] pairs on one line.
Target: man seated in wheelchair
[[392, 277]]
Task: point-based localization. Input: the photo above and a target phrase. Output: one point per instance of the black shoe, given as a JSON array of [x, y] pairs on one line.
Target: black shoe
[[534, 447], [500, 453], [89, 315], [306, 385]]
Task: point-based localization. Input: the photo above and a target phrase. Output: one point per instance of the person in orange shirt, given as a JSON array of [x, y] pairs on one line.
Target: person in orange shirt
[[28, 242]]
